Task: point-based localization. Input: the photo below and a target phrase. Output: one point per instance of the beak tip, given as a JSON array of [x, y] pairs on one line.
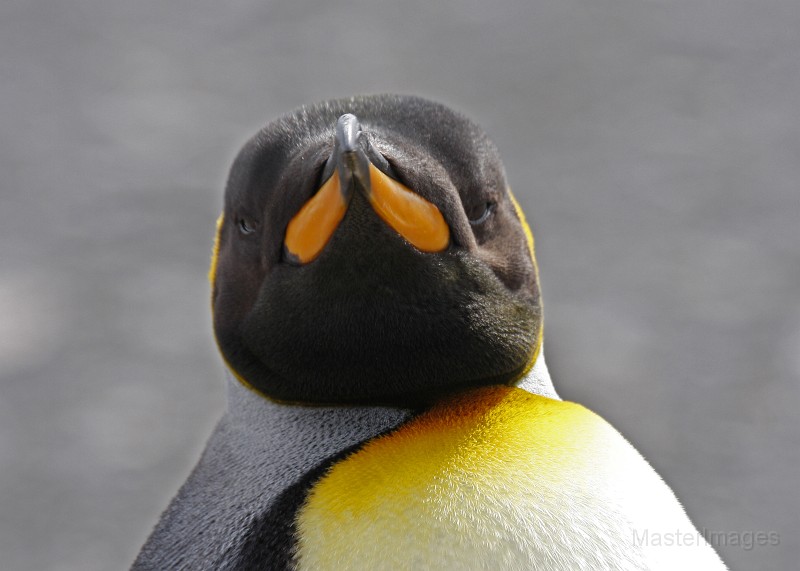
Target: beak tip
[[349, 154], [348, 132]]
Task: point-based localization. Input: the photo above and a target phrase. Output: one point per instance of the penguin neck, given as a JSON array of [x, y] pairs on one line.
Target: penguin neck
[[537, 380], [249, 408], [247, 405]]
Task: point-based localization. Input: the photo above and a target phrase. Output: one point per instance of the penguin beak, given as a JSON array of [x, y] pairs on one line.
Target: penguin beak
[[351, 168]]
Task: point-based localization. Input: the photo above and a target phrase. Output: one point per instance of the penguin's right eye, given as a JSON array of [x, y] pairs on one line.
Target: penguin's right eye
[[479, 215], [246, 226]]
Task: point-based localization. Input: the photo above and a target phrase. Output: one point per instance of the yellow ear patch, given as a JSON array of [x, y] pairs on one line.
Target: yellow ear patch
[[532, 251], [525, 227], [212, 270], [475, 479]]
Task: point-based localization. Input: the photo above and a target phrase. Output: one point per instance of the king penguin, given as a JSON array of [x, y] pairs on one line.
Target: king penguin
[[376, 302]]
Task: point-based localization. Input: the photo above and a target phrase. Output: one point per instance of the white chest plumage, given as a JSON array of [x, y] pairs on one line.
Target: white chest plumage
[[498, 479]]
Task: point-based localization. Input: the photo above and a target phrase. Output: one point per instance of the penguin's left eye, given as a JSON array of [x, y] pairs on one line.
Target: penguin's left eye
[[481, 214], [246, 226]]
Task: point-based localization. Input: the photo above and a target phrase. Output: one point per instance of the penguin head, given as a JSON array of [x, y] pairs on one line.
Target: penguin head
[[370, 251]]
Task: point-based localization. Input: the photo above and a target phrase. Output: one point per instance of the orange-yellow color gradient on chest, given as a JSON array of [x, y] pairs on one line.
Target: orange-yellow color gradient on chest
[[461, 435], [449, 471]]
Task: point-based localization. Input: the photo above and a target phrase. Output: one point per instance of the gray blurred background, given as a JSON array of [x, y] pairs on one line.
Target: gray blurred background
[[654, 144]]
